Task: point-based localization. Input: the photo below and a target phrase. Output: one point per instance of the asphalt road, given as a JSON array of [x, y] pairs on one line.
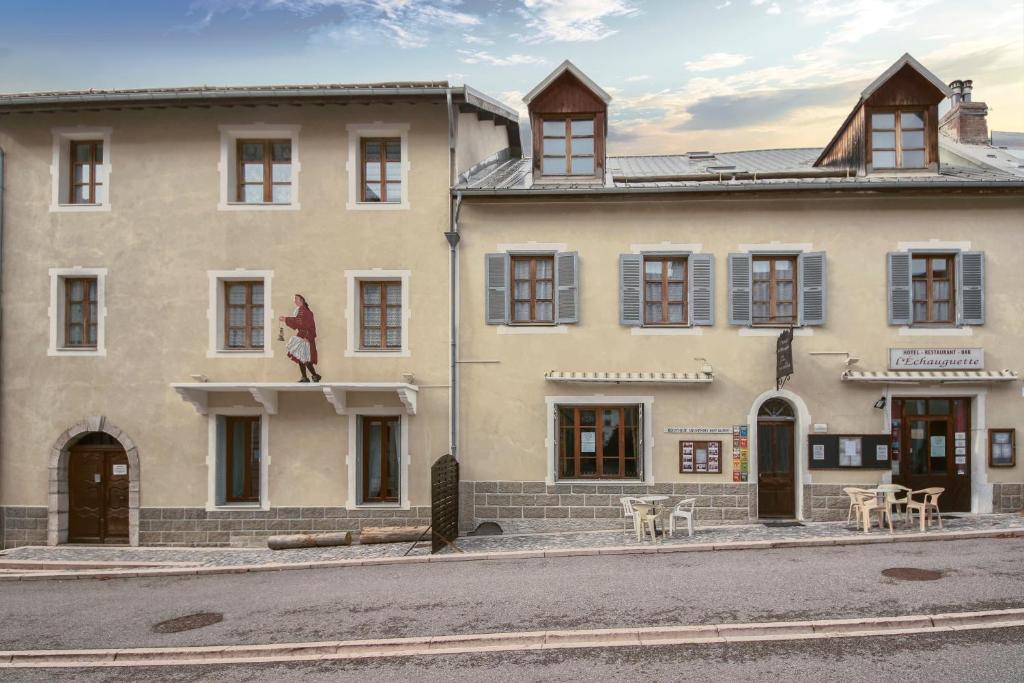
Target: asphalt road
[[992, 655], [515, 595]]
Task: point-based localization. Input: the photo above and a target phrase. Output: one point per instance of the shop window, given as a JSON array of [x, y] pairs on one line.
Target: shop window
[[599, 442]]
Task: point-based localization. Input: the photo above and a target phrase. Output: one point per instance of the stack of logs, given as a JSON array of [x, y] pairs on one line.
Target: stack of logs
[[380, 534]]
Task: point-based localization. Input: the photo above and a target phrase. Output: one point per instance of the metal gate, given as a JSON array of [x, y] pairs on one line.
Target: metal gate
[[444, 502]]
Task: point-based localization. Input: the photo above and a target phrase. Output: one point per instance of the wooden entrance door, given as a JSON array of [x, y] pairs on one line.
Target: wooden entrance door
[[98, 495], [930, 429], [776, 478]]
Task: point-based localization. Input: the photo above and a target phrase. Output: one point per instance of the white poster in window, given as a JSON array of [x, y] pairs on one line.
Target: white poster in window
[[961, 460], [961, 451], [959, 436], [938, 446], [849, 451], [917, 433], [961, 443], [818, 451], [120, 470], [881, 453], [588, 442]]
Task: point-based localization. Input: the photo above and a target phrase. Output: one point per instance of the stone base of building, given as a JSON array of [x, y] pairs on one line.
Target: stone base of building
[[199, 527], [1007, 497], [534, 506]]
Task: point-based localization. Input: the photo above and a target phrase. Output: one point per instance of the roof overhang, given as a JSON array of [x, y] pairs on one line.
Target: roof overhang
[[579, 75], [629, 377], [930, 376], [266, 393], [906, 60]]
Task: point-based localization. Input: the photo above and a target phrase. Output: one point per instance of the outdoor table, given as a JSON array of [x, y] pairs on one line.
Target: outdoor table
[[885, 494], [653, 500]]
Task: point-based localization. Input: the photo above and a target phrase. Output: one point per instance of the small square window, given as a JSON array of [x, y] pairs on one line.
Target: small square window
[[77, 306], [898, 140], [380, 322], [533, 289], [568, 147], [243, 315], [264, 173], [381, 170]]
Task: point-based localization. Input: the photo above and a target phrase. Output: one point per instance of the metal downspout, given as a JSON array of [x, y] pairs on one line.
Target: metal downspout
[[452, 236], [3, 187]]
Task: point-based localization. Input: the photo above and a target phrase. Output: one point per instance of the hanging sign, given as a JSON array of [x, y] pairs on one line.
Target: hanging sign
[[783, 358], [936, 359]]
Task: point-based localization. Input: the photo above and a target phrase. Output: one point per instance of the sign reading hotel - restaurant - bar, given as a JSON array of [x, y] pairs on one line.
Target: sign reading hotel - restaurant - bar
[[936, 359]]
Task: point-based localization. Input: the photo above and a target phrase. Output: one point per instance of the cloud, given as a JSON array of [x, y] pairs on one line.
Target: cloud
[[572, 20], [737, 111], [773, 9], [716, 60], [638, 77], [406, 23], [858, 19], [724, 4], [481, 57], [471, 39]]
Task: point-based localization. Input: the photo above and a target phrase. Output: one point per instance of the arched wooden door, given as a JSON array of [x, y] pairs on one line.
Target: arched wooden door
[[776, 477], [97, 491]]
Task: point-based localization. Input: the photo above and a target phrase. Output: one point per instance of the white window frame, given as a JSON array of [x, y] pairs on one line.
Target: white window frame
[[56, 311], [552, 402], [352, 459], [356, 133], [227, 167], [217, 310], [353, 278], [60, 167], [211, 459], [935, 245]]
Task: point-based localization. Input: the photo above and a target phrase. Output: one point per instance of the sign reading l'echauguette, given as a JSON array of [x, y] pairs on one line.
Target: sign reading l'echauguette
[[936, 359]]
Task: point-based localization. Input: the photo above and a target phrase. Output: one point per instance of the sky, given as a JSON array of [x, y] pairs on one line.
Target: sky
[[684, 75]]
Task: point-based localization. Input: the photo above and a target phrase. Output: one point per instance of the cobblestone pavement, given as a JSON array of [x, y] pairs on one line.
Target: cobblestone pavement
[[228, 557]]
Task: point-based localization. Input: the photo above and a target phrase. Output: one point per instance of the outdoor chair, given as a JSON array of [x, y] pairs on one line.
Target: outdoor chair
[[630, 513], [925, 507], [646, 518], [854, 511], [895, 501], [867, 502], [684, 509]]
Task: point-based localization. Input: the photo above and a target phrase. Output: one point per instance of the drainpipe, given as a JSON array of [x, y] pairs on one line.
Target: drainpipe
[[452, 236]]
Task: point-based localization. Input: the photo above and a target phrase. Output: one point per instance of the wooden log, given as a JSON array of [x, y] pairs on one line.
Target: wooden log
[[391, 534], [287, 541]]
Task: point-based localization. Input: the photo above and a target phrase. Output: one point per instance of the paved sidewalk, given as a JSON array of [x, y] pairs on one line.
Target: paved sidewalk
[[485, 545]]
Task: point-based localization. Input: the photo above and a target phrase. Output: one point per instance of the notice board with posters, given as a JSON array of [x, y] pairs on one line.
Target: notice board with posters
[[848, 451], [700, 457]]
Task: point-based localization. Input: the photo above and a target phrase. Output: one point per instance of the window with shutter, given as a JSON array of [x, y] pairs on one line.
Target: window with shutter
[[702, 289], [496, 276], [812, 279], [898, 276], [971, 278], [567, 287], [740, 266], [630, 295], [665, 290]]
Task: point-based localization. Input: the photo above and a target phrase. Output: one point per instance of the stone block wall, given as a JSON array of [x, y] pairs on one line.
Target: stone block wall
[[826, 502], [240, 528], [1007, 497], [23, 525], [534, 506]]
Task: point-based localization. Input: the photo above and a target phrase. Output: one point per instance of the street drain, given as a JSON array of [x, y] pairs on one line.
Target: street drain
[[189, 622], [912, 574]]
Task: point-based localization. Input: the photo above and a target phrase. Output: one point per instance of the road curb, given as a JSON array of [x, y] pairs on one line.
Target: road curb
[[522, 641], [142, 572]]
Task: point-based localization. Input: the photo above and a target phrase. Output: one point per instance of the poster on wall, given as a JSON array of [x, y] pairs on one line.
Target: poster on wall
[[850, 451], [702, 457], [588, 442]]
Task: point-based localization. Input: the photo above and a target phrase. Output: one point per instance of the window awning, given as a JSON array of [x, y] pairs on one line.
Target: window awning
[[924, 376], [266, 393], [629, 377]]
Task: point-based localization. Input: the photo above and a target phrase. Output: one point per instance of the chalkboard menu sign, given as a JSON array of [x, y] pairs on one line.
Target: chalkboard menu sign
[[848, 451], [700, 457]]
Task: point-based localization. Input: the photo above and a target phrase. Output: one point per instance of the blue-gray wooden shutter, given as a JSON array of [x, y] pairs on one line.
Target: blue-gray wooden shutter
[[901, 308], [496, 276], [702, 288], [220, 463], [739, 289], [631, 272], [567, 275], [970, 272], [813, 282]]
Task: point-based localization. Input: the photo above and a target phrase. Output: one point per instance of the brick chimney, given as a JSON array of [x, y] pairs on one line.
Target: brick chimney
[[965, 121]]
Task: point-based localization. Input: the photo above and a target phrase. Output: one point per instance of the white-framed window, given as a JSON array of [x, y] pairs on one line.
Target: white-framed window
[[600, 438], [259, 167], [238, 459], [378, 459], [378, 166], [240, 317], [378, 313], [77, 311], [80, 169]]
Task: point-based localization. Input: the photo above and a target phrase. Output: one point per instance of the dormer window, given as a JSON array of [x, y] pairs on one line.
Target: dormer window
[[897, 139], [568, 146]]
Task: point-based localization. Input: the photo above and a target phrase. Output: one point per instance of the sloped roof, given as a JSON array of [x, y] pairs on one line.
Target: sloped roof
[[905, 60], [575, 71]]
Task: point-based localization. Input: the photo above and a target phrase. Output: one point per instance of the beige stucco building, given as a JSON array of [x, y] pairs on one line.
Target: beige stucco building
[[573, 326]]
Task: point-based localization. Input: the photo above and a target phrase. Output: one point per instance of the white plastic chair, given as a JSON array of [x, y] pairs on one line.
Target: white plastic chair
[[684, 509], [627, 509], [646, 516]]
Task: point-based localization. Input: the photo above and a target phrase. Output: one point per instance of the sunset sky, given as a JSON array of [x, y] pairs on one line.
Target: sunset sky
[[684, 74]]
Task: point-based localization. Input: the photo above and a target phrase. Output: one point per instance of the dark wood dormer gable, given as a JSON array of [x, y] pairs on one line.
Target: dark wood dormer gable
[[894, 127], [569, 123]]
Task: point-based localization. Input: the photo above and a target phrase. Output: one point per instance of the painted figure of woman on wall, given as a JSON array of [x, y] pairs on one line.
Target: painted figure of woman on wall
[[302, 347]]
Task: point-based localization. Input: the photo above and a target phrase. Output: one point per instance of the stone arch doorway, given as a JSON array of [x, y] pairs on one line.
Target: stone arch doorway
[[97, 444], [776, 459], [792, 406]]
